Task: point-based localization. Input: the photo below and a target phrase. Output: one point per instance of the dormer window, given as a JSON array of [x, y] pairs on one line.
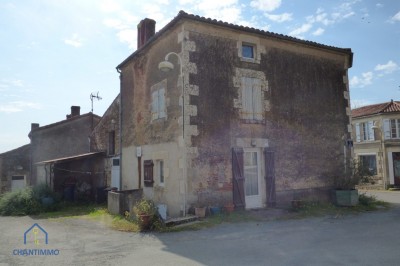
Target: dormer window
[[248, 51]]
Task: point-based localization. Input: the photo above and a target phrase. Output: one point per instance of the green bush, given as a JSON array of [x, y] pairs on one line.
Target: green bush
[[28, 201]]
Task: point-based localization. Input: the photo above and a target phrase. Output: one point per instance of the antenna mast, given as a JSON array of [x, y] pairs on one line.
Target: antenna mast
[[93, 96]]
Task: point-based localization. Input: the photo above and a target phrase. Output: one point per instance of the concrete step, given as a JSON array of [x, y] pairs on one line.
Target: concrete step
[[181, 220]]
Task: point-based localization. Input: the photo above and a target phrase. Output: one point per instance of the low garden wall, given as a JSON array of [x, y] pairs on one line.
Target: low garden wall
[[121, 201]]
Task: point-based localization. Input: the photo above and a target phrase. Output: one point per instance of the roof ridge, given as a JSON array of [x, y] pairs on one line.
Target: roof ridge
[[182, 14]]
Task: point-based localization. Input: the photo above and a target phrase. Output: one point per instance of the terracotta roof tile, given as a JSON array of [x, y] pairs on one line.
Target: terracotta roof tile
[[182, 14], [387, 107]]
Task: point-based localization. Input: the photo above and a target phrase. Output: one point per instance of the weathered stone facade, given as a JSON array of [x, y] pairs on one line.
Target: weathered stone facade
[[15, 163], [62, 139], [304, 117], [106, 137]]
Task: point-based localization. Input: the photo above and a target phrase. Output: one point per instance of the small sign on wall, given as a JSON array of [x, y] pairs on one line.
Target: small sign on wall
[[138, 151]]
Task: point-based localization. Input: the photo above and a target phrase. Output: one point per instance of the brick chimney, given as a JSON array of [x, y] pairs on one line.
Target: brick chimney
[[146, 29], [75, 111], [34, 126]]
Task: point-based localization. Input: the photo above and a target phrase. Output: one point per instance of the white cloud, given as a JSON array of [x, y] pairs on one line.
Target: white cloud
[[109, 6], [74, 41], [379, 5], [303, 29], [364, 80], [279, 18], [395, 17], [114, 23], [318, 32], [18, 106], [185, 2], [387, 68], [6, 84], [266, 5], [128, 36], [225, 10], [320, 17]]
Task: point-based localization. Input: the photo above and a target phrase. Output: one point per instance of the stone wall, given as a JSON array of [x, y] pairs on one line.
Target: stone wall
[[15, 162], [66, 138]]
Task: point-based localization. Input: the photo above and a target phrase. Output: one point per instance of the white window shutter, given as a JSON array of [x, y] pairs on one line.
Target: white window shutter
[[358, 134], [386, 128], [371, 130], [154, 105], [161, 103], [257, 100], [247, 98]]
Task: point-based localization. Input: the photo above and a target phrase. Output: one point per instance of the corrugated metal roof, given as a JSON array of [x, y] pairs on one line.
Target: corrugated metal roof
[[70, 158], [388, 107]]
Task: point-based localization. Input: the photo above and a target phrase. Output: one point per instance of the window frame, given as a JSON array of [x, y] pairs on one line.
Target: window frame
[[375, 169], [252, 48], [148, 170], [161, 172]]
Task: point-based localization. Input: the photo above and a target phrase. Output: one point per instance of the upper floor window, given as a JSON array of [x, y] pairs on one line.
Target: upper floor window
[[248, 51], [252, 107], [158, 104], [394, 128], [364, 131]]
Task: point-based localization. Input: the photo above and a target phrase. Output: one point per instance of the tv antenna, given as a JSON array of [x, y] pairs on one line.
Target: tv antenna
[[94, 96]]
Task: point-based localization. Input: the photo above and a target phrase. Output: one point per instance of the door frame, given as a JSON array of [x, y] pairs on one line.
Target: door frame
[[254, 201]]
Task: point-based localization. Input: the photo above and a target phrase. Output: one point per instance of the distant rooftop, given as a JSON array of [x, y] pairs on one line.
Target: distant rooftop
[[380, 108]]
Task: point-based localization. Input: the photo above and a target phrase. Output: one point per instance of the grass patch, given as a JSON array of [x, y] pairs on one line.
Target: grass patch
[[120, 223], [315, 209], [67, 209]]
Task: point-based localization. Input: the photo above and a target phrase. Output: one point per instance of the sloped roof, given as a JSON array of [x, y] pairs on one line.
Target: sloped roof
[[182, 14], [71, 158], [387, 107]]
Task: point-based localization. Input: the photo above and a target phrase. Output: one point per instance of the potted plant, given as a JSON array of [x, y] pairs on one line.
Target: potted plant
[[345, 186], [145, 211]]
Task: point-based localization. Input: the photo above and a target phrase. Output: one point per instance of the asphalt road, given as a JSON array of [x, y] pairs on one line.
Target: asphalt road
[[364, 239]]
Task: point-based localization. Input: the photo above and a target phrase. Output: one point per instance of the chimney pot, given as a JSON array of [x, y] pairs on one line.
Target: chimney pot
[[34, 126], [146, 29], [75, 111]]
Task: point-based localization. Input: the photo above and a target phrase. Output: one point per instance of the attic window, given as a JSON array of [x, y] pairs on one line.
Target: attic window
[[248, 51]]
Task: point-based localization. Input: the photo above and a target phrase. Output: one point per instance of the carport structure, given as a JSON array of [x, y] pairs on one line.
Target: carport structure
[[79, 177]]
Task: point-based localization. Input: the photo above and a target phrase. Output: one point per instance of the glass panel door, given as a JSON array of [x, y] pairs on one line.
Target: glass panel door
[[251, 163]]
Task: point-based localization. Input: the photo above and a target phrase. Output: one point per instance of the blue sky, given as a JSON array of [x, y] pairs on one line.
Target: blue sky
[[54, 54]]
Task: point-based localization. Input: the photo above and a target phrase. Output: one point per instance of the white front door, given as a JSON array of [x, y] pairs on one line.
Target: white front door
[[252, 178], [115, 172]]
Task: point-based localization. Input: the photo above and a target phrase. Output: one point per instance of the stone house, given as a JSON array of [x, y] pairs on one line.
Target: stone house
[[61, 153], [376, 131], [14, 169], [244, 116]]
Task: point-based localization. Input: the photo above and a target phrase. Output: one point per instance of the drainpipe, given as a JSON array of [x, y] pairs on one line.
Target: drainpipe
[[120, 128]]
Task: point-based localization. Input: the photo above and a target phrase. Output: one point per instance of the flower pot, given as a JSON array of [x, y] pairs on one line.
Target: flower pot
[[347, 197], [229, 208], [145, 220], [200, 212], [297, 204], [47, 201], [215, 210]]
